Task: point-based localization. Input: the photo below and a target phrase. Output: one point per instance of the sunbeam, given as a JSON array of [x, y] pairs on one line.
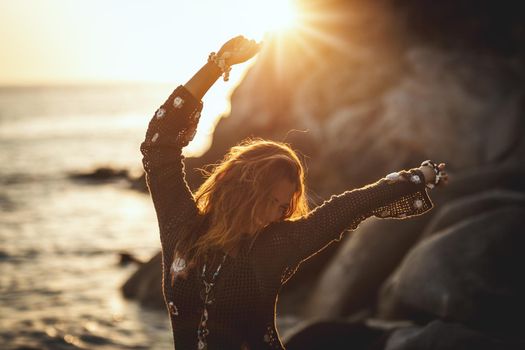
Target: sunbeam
[[333, 41]]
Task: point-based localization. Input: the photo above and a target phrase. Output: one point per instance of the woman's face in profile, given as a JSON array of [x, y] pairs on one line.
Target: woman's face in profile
[[280, 198]]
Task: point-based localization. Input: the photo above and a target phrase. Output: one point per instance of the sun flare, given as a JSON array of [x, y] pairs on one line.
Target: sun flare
[[281, 17], [271, 17]]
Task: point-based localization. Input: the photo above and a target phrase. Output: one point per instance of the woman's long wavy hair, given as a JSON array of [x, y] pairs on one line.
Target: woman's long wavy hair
[[236, 192]]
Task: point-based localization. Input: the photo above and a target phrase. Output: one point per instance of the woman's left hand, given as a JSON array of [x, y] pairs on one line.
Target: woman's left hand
[[430, 175], [238, 50]]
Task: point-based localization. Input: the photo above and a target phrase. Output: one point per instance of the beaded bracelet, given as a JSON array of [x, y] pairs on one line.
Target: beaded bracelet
[[435, 168], [221, 63]]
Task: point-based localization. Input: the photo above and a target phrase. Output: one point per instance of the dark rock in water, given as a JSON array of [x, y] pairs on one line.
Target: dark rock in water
[[145, 284], [126, 258], [324, 335], [101, 174], [6, 204], [139, 183], [468, 272], [95, 339], [4, 255], [439, 335]]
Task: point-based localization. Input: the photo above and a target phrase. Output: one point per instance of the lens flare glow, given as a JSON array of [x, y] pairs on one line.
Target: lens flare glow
[[281, 16], [269, 17]]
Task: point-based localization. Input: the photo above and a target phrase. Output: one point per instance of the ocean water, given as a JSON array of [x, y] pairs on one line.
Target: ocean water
[[60, 238]]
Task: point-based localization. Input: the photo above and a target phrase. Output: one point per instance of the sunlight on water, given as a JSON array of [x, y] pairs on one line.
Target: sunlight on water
[[75, 125], [60, 239], [61, 266]]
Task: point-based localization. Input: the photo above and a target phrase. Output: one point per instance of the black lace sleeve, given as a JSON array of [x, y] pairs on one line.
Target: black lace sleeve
[[171, 128], [399, 195]]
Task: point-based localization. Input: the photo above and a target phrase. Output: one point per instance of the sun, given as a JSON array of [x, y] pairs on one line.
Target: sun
[[282, 17], [271, 17]]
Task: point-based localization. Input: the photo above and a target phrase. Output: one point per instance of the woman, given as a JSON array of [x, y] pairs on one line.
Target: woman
[[229, 248]]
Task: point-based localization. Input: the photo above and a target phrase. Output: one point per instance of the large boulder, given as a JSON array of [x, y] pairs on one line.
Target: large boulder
[[353, 276], [354, 131], [371, 104], [440, 335], [457, 210], [351, 279], [335, 334], [468, 272]]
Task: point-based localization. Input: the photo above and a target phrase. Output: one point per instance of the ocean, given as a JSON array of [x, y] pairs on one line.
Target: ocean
[[60, 238]]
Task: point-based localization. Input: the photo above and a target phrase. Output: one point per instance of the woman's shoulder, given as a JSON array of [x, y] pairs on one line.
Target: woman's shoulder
[[270, 241]]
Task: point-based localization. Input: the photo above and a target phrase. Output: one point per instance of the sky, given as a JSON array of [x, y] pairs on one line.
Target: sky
[[76, 41], [57, 42]]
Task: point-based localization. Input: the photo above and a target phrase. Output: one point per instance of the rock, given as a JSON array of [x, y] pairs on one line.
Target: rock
[[353, 277], [503, 177], [139, 183], [107, 174], [482, 26], [365, 115], [504, 140], [126, 258], [454, 211], [439, 335], [467, 272], [101, 174], [321, 335], [349, 280], [145, 284]]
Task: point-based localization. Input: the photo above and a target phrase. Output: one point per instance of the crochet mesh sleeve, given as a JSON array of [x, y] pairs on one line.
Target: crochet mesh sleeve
[[399, 195], [171, 128]]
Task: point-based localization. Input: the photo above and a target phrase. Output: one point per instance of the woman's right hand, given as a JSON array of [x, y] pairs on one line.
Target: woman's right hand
[[238, 50], [234, 51]]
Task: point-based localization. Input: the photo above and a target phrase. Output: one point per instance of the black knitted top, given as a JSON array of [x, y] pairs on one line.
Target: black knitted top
[[242, 315]]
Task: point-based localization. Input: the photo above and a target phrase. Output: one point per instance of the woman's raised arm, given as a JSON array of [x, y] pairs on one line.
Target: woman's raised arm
[[234, 51], [171, 128]]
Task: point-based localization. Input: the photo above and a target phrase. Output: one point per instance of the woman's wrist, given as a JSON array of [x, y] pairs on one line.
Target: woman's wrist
[[428, 173], [201, 82], [214, 70], [220, 61]]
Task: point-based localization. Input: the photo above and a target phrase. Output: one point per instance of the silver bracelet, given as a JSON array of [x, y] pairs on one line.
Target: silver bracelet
[[221, 63]]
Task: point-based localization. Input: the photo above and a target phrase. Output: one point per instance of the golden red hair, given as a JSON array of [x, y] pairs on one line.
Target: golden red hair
[[237, 190]]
